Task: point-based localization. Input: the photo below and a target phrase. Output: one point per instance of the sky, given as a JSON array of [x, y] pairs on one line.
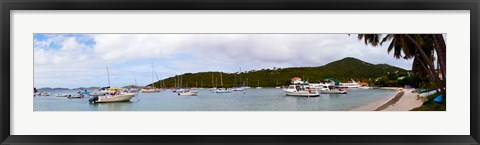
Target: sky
[[81, 60]]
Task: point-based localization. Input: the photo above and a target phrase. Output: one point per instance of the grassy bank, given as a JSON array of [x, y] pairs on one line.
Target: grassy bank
[[430, 105]]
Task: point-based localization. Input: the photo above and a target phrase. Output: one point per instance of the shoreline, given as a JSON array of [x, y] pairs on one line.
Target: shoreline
[[402, 100]]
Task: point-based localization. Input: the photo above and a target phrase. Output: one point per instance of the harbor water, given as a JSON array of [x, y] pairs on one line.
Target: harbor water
[[266, 99]]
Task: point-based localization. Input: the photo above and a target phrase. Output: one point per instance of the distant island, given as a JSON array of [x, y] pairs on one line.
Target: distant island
[[342, 70]]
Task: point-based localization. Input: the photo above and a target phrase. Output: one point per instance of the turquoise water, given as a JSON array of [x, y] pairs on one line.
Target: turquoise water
[[267, 99]]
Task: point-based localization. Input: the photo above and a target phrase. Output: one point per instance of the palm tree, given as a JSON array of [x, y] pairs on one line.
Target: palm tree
[[441, 49], [421, 47]]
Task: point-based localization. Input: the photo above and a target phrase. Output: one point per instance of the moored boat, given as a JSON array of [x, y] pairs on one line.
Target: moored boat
[[63, 95], [117, 96], [78, 96], [241, 88], [188, 93], [222, 90], [352, 84], [330, 89], [150, 90], [43, 94], [301, 91]]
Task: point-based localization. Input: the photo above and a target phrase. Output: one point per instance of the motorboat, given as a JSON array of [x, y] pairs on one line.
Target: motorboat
[[330, 89], [238, 89], [301, 91], [63, 95], [222, 90], [188, 93], [43, 94], [78, 96], [150, 90], [178, 90], [117, 96], [353, 84]]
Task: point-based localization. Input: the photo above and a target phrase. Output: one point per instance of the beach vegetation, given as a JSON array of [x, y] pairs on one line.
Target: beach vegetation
[[430, 105]]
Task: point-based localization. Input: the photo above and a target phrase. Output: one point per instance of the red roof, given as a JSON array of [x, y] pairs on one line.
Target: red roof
[[296, 78]]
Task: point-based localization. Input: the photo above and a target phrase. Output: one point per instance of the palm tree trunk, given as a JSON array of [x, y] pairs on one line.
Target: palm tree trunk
[[440, 47], [429, 63]]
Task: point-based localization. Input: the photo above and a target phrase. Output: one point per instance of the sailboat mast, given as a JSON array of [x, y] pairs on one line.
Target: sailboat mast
[[212, 81], [240, 73], [153, 83], [108, 75], [221, 81]]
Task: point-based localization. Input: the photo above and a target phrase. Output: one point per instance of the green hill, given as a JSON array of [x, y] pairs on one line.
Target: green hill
[[342, 70]]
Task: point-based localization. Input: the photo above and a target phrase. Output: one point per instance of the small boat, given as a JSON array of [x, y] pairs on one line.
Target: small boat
[[178, 90], [301, 91], [150, 90], [188, 93], [330, 89], [221, 90], [304, 94], [78, 96], [238, 89], [115, 97], [63, 95], [258, 85], [85, 92], [43, 94], [277, 87]]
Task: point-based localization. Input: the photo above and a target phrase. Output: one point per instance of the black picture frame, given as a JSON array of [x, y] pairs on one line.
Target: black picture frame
[[8, 5]]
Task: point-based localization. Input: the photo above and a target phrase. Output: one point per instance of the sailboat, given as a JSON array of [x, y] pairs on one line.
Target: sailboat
[[277, 87], [222, 89], [247, 87], [151, 89], [242, 86], [178, 88], [258, 85], [134, 89]]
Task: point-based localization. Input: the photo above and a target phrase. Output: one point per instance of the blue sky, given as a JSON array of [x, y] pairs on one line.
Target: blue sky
[[80, 60]]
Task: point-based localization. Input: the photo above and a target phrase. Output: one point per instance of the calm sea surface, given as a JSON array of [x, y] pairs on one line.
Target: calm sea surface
[[267, 99]]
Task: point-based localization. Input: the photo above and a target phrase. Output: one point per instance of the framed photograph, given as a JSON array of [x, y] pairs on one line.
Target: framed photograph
[[239, 72]]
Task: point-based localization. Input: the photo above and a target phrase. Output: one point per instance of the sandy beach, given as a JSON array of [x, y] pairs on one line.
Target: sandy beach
[[403, 100]]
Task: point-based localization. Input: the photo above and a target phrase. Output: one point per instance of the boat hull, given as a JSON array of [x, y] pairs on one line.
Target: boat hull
[[222, 91], [302, 94], [239, 89], [188, 94], [333, 92], [116, 98], [151, 91]]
